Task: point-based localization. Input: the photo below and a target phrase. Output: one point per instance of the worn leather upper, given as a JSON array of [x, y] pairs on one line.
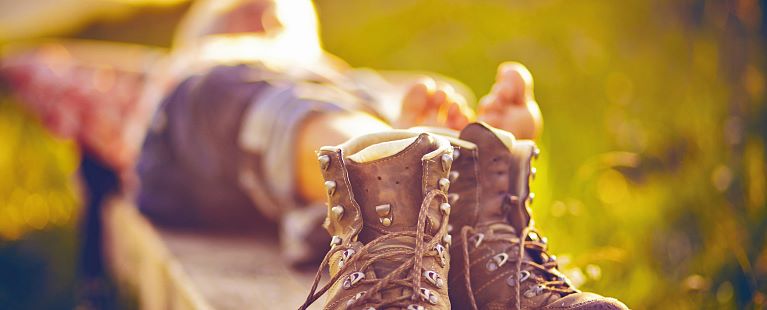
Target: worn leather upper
[[378, 210], [499, 261]]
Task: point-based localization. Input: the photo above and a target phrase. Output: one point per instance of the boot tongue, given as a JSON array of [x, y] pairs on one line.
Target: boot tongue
[[388, 189], [388, 180], [503, 175]]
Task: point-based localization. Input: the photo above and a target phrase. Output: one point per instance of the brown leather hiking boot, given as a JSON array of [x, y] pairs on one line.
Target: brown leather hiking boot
[[499, 260], [387, 215]]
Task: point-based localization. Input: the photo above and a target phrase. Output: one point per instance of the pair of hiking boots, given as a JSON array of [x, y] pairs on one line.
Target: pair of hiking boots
[[413, 214]]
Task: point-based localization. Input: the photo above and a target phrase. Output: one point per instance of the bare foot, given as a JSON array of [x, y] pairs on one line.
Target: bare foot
[[510, 105], [428, 103]]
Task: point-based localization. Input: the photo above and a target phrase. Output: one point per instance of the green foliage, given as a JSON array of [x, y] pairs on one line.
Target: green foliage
[[37, 210]]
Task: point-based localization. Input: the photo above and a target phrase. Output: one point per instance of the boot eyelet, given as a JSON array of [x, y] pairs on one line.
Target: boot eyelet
[[330, 187], [324, 161], [433, 278], [336, 240], [355, 299], [511, 281], [345, 257], [352, 279], [530, 198], [497, 262], [452, 198], [428, 296], [441, 253], [338, 212], [384, 214], [535, 291], [477, 239], [530, 293], [445, 207], [447, 161], [453, 175], [512, 199], [522, 277], [534, 236], [448, 240], [444, 184]]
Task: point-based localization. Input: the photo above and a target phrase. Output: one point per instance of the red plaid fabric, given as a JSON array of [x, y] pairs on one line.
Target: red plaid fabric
[[97, 104]]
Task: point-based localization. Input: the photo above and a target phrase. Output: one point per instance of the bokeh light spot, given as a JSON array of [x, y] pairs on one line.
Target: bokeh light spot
[[724, 292], [721, 178], [594, 271], [558, 208], [754, 82]]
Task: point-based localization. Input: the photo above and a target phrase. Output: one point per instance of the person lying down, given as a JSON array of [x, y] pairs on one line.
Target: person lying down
[[239, 132]]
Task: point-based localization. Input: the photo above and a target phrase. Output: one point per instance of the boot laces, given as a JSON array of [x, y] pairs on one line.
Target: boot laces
[[410, 257], [530, 242]]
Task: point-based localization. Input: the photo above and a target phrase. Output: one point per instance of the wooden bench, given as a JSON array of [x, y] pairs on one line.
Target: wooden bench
[[172, 269]]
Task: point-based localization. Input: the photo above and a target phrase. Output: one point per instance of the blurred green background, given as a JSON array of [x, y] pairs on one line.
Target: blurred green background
[[651, 186]]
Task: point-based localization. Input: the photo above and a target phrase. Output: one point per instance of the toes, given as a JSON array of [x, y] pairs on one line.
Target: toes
[[438, 99], [444, 97], [510, 105], [490, 104], [459, 114], [514, 83], [416, 102], [454, 111], [417, 96], [456, 118], [506, 92], [428, 103], [489, 113], [514, 69], [524, 122], [433, 113]]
